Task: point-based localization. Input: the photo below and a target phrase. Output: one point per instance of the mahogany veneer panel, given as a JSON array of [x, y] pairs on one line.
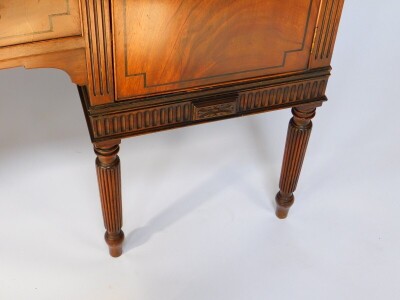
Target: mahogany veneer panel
[[169, 45]]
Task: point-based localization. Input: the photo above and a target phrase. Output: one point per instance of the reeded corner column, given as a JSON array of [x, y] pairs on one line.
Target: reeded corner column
[[299, 132], [109, 179]]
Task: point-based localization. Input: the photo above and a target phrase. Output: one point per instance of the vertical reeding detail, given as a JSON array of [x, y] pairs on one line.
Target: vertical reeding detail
[[99, 50], [243, 100], [186, 112], [288, 146], [257, 100], [327, 25], [170, 115], [147, 119], [289, 165], [328, 29], [100, 53], [114, 195], [108, 199], [109, 178], [131, 123], [110, 193], [124, 123], [333, 30], [302, 155], [299, 131], [90, 42], [309, 90], [322, 30], [314, 90], [265, 98], [139, 120], [300, 92], [101, 190], [119, 194], [105, 45], [163, 118], [178, 114]]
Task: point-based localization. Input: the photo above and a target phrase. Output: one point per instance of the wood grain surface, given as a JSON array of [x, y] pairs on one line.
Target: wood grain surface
[[169, 45], [24, 21]]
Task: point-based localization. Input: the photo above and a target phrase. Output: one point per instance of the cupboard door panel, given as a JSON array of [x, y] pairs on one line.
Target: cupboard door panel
[[166, 46]]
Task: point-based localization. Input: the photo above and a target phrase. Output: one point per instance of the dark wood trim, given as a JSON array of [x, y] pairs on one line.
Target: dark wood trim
[[124, 121]]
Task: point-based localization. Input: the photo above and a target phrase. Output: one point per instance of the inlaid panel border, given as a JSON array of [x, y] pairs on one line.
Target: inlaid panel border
[[51, 26], [144, 74]]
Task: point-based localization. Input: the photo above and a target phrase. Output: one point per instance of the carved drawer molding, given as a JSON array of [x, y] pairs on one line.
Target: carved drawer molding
[[223, 107], [136, 121], [283, 94], [187, 111]]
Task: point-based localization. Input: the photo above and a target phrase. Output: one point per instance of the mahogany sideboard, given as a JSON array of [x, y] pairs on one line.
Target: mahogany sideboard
[[143, 66]]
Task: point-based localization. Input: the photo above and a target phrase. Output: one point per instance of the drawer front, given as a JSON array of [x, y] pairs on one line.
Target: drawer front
[[24, 21], [168, 46]]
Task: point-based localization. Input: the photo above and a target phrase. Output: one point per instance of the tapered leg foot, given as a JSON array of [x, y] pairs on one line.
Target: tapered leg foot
[[114, 242], [298, 135], [109, 178], [283, 204]]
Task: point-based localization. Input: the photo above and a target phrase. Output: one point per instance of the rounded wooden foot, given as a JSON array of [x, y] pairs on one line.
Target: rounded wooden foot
[[283, 204], [114, 242]]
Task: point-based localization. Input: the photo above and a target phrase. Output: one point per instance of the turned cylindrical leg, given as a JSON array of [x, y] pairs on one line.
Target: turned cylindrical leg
[[296, 144], [109, 178]]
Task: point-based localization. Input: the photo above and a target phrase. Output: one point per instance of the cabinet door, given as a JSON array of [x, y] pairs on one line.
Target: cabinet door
[[167, 46]]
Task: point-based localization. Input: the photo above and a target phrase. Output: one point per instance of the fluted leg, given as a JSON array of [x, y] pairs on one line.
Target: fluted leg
[[296, 144], [109, 178]]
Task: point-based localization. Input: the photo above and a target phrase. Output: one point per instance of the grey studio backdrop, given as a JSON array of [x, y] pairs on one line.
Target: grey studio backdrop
[[198, 204]]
